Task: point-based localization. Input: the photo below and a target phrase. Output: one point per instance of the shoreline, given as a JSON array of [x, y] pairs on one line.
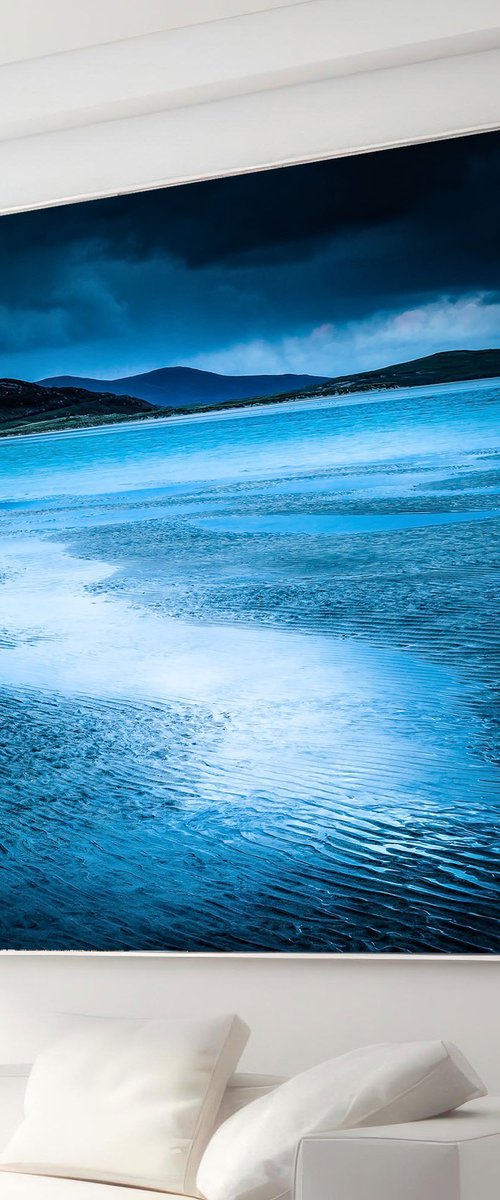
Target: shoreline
[[246, 407]]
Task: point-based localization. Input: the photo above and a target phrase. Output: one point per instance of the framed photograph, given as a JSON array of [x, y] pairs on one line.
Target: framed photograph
[[249, 536]]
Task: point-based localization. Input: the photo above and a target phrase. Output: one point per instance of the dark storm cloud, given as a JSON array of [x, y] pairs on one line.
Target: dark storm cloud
[[187, 270], [282, 212]]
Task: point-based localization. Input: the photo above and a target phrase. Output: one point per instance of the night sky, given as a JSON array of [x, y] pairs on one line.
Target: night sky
[[324, 268]]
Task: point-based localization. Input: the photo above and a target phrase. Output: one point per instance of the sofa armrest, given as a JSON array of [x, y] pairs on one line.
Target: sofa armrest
[[456, 1157]]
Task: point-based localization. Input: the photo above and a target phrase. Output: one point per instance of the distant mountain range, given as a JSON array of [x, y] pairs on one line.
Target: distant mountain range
[[185, 387], [38, 407]]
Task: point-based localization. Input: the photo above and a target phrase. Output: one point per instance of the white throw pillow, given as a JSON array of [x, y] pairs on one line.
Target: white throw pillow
[[253, 1154], [125, 1100], [12, 1089]]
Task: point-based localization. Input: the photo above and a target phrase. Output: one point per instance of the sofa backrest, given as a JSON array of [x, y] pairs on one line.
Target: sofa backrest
[[242, 1089]]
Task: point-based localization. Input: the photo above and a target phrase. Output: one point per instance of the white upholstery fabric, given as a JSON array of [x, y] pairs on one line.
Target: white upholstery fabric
[[243, 1089], [431, 1158], [126, 1100], [13, 1082], [456, 1157], [252, 1156], [478, 1119], [42, 1187]]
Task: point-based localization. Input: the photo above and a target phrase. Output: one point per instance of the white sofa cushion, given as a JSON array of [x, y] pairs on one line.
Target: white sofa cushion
[[15, 1186], [125, 1100], [253, 1154]]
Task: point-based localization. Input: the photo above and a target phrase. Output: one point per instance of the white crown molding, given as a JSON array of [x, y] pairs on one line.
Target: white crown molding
[[252, 53], [31, 29], [282, 85]]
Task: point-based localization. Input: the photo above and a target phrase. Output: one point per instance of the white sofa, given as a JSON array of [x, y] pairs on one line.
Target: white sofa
[[455, 1157]]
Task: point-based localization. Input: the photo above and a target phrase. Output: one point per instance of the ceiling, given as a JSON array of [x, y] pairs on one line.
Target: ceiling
[[32, 28], [118, 95]]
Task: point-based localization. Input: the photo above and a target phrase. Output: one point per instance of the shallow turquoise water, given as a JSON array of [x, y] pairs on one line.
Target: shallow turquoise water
[[248, 669]]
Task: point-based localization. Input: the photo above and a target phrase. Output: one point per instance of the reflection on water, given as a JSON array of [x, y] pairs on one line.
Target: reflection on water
[[247, 680]]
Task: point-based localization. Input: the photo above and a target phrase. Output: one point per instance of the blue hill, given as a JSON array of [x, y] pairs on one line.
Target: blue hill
[[185, 387]]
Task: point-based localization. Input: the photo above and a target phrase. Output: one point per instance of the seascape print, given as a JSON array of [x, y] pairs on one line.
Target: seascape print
[[249, 517]]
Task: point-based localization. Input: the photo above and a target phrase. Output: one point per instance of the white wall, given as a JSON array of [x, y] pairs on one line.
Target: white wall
[[300, 1009], [113, 96]]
